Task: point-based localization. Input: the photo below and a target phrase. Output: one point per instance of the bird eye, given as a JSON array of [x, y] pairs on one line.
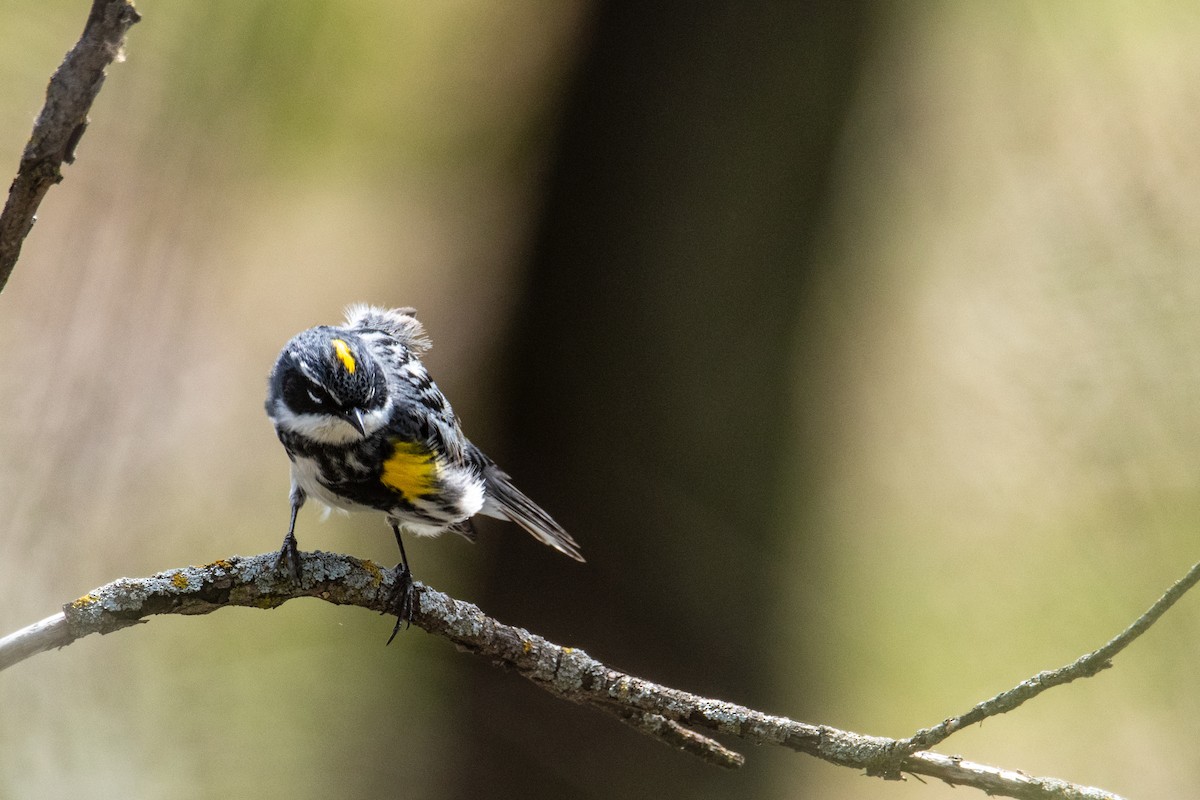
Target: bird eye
[[316, 398]]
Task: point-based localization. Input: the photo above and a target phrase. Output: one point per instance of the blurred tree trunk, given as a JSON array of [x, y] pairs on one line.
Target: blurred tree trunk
[[650, 376]]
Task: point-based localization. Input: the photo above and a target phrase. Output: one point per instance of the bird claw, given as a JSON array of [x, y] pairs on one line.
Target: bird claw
[[288, 560], [402, 601]]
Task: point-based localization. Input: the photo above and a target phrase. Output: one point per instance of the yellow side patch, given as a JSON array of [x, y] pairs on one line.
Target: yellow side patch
[[411, 469], [342, 351]]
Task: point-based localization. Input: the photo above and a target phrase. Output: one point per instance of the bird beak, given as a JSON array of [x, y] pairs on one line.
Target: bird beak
[[355, 418]]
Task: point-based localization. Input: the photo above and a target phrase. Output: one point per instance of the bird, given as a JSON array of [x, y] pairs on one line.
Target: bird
[[366, 429]]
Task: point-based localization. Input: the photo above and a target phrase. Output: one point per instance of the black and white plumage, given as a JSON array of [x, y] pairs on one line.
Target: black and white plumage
[[367, 429]]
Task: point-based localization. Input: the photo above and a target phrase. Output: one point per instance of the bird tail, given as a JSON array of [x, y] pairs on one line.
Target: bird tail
[[505, 501]]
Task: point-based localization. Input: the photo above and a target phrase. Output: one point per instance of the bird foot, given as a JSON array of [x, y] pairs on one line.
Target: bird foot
[[403, 599], [288, 560]]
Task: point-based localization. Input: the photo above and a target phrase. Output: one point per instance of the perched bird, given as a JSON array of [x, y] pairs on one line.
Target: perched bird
[[367, 429]]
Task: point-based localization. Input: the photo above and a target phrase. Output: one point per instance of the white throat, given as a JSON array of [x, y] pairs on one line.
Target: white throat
[[326, 428]]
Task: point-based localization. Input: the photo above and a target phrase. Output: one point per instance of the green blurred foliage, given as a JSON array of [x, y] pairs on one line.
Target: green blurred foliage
[[977, 455], [250, 169]]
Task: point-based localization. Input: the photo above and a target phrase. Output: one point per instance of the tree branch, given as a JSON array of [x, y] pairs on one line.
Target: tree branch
[[674, 717], [62, 122], [1083, 667]]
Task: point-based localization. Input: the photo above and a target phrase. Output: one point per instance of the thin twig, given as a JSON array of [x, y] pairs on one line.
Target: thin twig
[[1083, 667], [62, 122], [677, 718]]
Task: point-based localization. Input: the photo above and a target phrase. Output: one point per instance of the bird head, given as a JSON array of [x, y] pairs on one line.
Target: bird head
[[327, 386]]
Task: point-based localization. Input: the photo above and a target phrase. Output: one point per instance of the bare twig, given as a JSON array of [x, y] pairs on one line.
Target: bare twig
[[62, 122], [1083, 667], [670, 715]]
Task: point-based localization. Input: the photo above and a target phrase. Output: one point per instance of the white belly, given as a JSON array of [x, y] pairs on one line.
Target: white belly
[[304, 475]]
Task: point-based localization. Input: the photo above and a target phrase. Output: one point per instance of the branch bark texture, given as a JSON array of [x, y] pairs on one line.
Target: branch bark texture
[[683, 720], [61, 123]]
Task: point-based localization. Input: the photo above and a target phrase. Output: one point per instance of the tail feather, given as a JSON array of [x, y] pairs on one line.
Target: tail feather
[[506, 501]]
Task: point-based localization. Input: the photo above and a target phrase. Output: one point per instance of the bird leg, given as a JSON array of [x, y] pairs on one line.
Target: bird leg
[[402, 601], [289, 555]]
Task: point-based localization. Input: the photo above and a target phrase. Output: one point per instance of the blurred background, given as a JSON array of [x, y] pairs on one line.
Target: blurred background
[[854, 342]]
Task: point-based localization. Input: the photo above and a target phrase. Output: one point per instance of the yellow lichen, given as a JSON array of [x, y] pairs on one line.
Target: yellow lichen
[[179, 580]]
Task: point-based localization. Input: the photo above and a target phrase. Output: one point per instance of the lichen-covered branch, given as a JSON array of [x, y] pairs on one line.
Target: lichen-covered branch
[[680, 719], [61, 122]]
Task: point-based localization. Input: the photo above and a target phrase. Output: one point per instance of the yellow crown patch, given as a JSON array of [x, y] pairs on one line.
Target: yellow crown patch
[[342, 351]]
